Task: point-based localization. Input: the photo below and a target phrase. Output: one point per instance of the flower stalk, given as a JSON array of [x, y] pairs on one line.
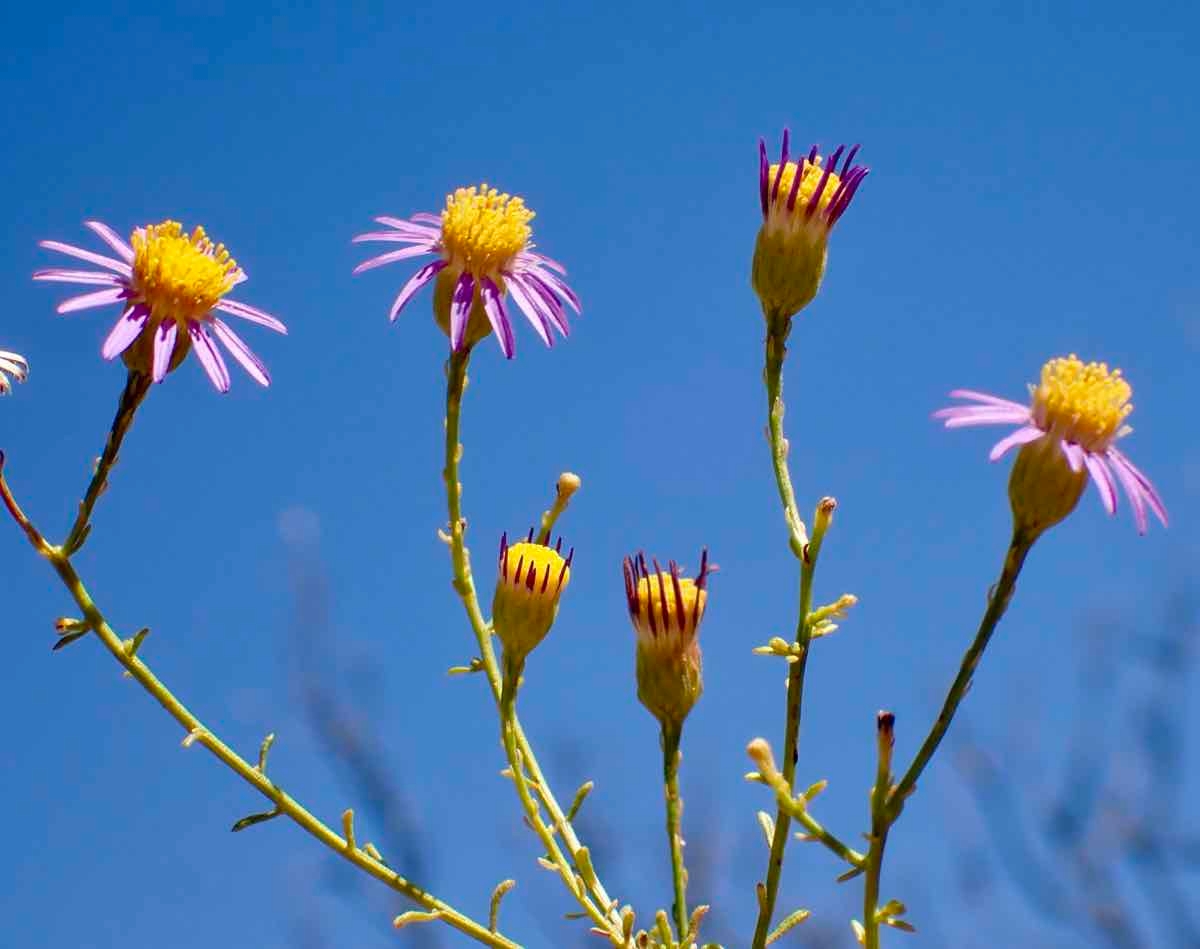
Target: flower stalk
[[527, 774], [196, 731], [671, 758], [807, 551]]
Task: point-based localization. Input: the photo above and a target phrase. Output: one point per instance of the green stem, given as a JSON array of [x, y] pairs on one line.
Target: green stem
[[818, 832], [998, 600], [137, 385], [516, 743], [284, 804], [879, 830], [671, 758], [807, 552]]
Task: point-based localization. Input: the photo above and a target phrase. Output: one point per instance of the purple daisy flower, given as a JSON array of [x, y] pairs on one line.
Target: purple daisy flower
[[12, 364], [169, 285], [1081, 407], [482, 241]]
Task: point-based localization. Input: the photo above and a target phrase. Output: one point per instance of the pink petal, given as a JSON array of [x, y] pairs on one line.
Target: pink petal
[[415, 283], [125, 331], [1022, 436], [1148, 492], [112, 239], [530, 306], [553, 308], [493, 306], [252, 314], [209, 356], [424, 217], [403, 254], [1133, 491], [460, 309], [164, 348], [398, 237], [559, 286], [963, 416], [545, 261], [241, 352], [89, 300], [98, 259], [973, 396], [1074, 453], [1104, 480], [56, 275]]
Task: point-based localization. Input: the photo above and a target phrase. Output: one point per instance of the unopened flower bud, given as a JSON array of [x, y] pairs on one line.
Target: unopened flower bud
[[666, 610], [1043, 488], [532, 578]]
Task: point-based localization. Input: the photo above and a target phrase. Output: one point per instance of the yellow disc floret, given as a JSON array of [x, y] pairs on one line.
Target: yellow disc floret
[[667, 610], [483, 229], [809, 180], [1085, 403], [532, 578], [177, 275]]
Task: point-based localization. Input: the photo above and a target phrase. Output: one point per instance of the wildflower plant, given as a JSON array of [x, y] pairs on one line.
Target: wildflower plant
[[172, 289]]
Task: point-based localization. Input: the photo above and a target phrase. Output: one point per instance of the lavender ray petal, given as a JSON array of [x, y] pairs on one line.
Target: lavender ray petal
[[125, 331], [424, 217], [1014, 413], [764, 170], [89, 300], [403, 254], [972, 395], [528, 306], [395, 237], [998, 418], [1022, 436], [241, 352], [1074, 454], [460, 309], [57, 275], [98, 259], [550, 305], [209, 356], [1148, 490], [415, 283], [1133, 491], [1104, 480], [493, 306], [252, 314], [559, 286], [164, 348], [544, 260], [112, 239]]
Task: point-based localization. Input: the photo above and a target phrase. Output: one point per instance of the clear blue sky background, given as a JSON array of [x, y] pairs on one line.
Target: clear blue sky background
[[1033, 193]]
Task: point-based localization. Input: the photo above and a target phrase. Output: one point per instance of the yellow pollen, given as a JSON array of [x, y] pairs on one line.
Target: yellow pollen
[[808, 186], [656, 597], [534, 570], [483, 230], [1086, 402], [177, 275]]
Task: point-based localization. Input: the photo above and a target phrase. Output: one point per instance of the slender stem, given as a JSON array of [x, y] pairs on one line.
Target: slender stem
[[807, 551], [284, 804], [671, 758], [998, 599], [818, 832], [137, 385], [464, 586], [879, 830]]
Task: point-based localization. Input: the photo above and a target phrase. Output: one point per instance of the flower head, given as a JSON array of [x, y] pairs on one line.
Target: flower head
[[482, 241], [12, 364], [1067, 433], [532, 578], [802, 199], [666, 610], [170, 285]]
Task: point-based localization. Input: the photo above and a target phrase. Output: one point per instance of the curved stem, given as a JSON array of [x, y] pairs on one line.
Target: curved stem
[[998, 599], [464, 586], [671, 758], [879, 830], [807, 551], [284, 804], [137, 385]]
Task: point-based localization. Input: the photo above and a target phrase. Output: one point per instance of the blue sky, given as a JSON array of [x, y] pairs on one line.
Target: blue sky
[[1032, 194]]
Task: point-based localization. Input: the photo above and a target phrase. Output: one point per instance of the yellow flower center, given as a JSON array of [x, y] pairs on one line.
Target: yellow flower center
[[482, 229], [668, 609], [1086, 403], [534, 571], [177, 275], [809, 180]]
